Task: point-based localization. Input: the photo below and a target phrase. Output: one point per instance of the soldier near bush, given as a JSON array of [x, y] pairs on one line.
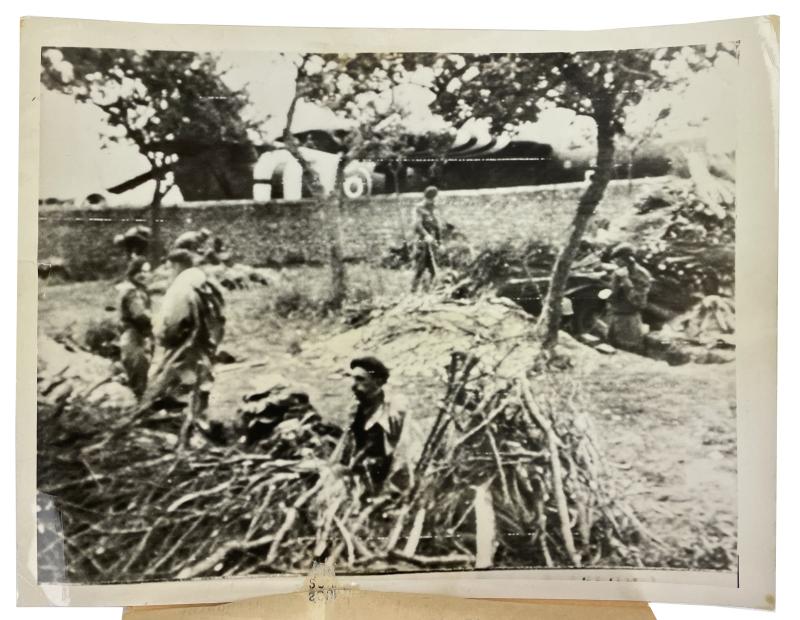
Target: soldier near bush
[[191, 326], [136, 340], [630, 286], [371, 442], [429, 234]]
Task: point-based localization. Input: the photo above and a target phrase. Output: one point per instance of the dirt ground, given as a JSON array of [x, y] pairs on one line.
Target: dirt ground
[[669, 433]]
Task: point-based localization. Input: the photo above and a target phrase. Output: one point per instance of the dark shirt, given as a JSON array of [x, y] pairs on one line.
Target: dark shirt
[[367, 442], [374, 435]]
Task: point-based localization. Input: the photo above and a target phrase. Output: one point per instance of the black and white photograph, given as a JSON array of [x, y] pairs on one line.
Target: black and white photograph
[[389, 312]]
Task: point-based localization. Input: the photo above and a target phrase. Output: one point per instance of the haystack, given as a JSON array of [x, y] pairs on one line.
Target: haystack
[[417, 336]]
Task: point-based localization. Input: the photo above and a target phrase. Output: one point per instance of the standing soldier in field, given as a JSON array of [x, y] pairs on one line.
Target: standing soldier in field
[[630, 286], [190, 328], [428, 232], [136, 340]]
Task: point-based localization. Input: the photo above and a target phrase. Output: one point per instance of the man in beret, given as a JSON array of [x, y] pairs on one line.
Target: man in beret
[[377, 423], [136, 340], [191, 326], [429, 235], [630, 286]]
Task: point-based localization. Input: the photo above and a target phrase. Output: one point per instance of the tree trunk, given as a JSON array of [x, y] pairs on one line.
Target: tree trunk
[[329, 206], [334, 231], [155, 225], [548, 324], [631, 157]]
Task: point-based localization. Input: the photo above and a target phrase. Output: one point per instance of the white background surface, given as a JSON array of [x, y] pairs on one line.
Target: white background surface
[[500, 14]]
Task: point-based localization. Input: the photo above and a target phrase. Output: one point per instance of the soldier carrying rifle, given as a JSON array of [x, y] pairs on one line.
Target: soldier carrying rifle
[[429, 235]]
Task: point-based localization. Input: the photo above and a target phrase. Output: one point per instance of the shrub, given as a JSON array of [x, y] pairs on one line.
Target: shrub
[[101, 337]]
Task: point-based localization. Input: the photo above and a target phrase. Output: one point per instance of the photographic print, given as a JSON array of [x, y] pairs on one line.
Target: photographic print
[[396, 312]]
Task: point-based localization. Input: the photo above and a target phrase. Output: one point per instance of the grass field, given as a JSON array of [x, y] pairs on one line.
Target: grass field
[[669, 433]]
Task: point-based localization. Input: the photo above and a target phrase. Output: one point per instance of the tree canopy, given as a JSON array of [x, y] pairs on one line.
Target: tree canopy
[[511, 88], [361, 89], [164, 102]]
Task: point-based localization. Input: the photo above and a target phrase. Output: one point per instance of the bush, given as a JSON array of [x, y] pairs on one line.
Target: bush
[[101, 338], [291, 300]]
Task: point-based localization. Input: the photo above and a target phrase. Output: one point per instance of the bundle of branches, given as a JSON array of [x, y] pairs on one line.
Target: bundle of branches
[[695, 212], [684, 272], [687, 242], [508, 476], [124, 503]]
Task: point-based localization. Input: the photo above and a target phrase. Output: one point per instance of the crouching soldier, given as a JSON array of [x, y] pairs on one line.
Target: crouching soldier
[[195, 241], [371, 442], [630, 286], [191, 327], [136, 340]]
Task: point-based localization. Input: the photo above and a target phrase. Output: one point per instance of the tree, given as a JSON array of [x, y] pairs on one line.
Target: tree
[[359, 89], [163, 102], [508, 89], [397, 143]]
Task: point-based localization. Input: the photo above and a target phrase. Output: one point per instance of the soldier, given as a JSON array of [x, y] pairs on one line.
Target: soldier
[[428, 233], [193, 240], [190, 329], [217, 254], [630, 285], [136, 340], [377, 424]]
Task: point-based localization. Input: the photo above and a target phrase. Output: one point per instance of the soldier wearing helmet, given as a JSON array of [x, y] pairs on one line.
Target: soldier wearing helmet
[[630, 286], [429, 234]]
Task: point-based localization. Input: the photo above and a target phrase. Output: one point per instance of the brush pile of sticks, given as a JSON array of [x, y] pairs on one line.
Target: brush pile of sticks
[[126, 502], [508, 476]]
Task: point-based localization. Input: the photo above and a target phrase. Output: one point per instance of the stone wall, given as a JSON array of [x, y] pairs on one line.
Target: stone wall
[[283, 233]]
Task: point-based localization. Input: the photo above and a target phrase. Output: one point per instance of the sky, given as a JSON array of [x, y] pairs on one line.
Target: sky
[[74, 162]]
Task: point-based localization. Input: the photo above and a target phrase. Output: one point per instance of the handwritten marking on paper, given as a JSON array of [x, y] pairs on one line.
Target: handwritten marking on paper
[[322, 586]]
